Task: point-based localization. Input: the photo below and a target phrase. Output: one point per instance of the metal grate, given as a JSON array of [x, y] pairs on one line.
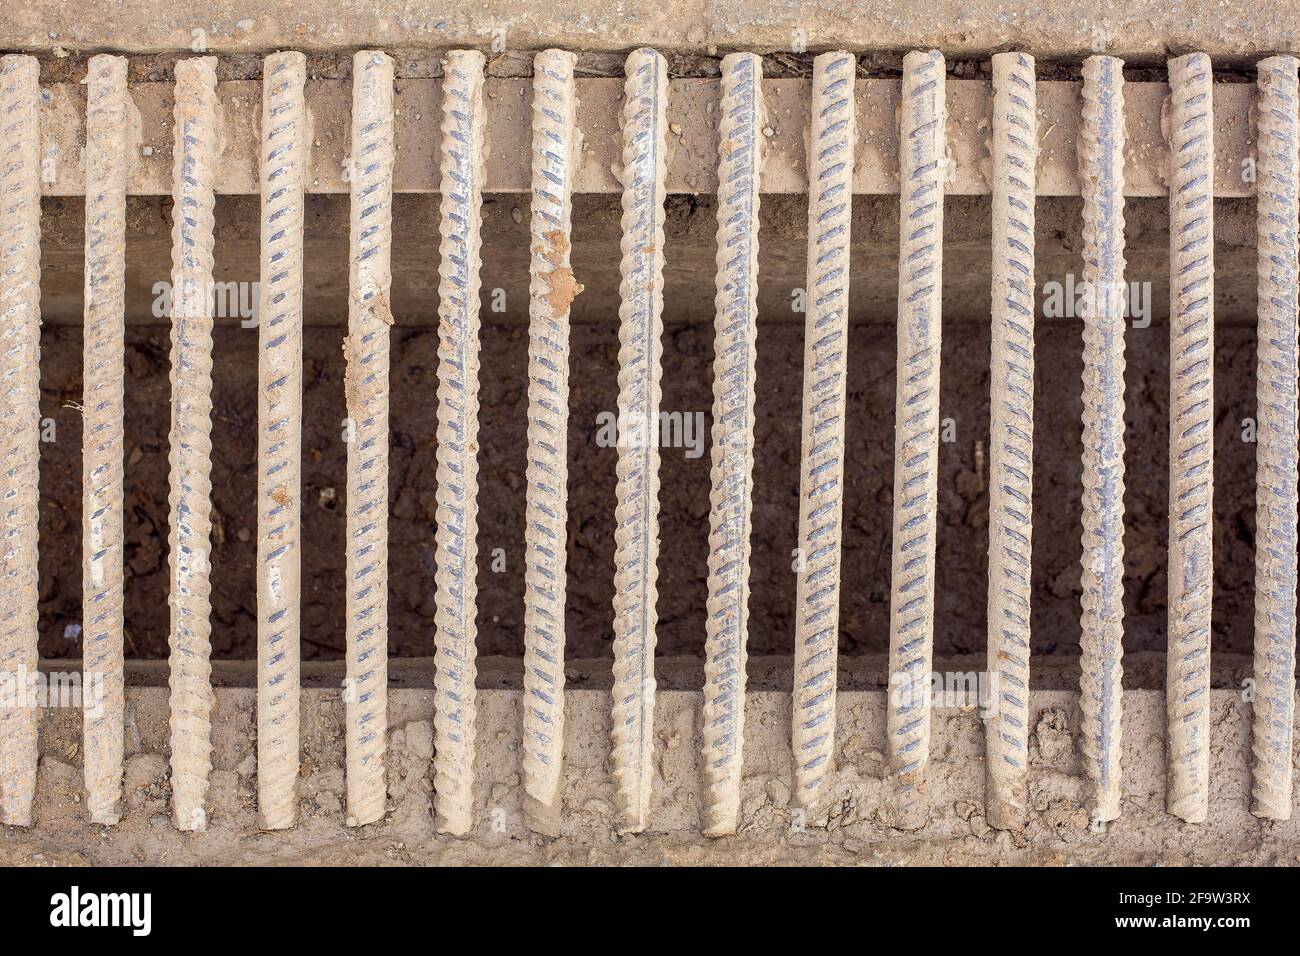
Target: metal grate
[[1047, 138]]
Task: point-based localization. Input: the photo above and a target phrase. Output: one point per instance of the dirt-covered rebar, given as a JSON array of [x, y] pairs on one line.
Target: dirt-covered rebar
[[463, 154], [636, 515], [1011, 436], [109, 137], [825, 376], [1277, 211], [922, 174], [279, 437], [1191, 432], [366, 392], [552, 286], [196, 148], [20, 419], [732, 448], [1101, 172]]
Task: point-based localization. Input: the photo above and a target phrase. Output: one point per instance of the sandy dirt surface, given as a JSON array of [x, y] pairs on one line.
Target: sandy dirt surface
[[857, 823], [1060, 28]]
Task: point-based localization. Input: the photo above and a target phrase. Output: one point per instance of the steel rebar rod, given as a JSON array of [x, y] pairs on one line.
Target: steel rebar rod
[[279, 449], [366, 392], [740, 166], [1191, 432], [1011, 436], [636, 532], [459, 259], [1277, 209], [922, 172], [197, 144], [825, 376], [552, 287], [108, 139], [1101, 171], [20, 417]]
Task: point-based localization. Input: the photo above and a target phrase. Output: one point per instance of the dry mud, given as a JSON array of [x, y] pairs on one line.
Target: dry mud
[[855, 825]]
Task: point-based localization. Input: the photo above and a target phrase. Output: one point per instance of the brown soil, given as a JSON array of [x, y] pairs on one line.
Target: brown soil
[[687, 387]]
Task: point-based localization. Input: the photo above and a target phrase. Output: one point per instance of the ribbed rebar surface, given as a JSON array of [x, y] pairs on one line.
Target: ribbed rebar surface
[[732, 449], [196, 148], [108, 139], [825, 375], [922, 173], [459, 259], [1011, 435], [550, 291], [1191, 432], [279, 448], [636, 516], [366, 393], [1277, 209], [1101, 172], [20, 417]]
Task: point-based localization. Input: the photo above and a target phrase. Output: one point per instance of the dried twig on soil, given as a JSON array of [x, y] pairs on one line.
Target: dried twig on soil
[[366, 393], [20, 417], [1191, 432], [1277, 207], [459, 258], [825, 374], [108, 139], [735, 339], [636, 517], [279, 447], [1101, 172], [1011, 434], [196, 146], [551, 290]]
